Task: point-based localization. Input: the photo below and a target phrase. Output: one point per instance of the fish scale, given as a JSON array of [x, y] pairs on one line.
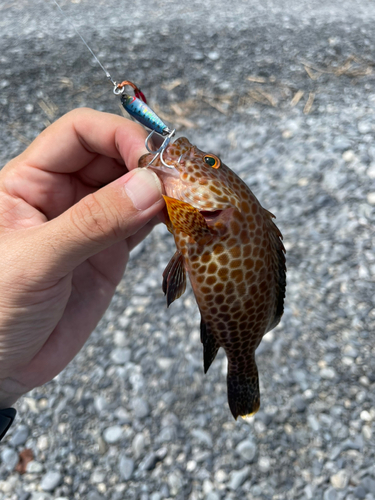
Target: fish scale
[[232, 251]]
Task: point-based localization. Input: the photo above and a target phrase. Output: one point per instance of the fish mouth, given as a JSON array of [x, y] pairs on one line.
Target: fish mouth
[[210, 216]]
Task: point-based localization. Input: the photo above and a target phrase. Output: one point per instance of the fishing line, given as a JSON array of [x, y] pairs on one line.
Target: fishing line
[[84, 41], [135, 105]]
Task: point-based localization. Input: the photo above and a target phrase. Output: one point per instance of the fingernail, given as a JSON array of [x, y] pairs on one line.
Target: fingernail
[[143, 188]]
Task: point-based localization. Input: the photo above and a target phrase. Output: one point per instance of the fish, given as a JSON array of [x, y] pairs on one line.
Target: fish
[[232, 251]]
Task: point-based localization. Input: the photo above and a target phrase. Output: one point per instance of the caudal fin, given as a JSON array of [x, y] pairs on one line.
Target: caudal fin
[[243, 394]]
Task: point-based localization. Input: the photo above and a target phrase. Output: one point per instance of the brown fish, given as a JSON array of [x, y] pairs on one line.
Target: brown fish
[[233, 254]]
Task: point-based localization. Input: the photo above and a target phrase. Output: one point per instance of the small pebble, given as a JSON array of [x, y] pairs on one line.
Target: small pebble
[[175, 482], [207, 486], [50, 480], [167, 434], [98, 476], [113, 434], [365, 416], [371, 171], [340, 480], [120, 338], [126, 467], [24, 495], [121, 355], [221, 476], [247, 450], [348, 155], [299, 403], [100, 404], [350, 351], [364, 127], [155, 496], [214, 56], [94, 495], [328, 373], [140, 407], [165, 363], [202, 437], [19, 436], [369, 484], [138, 445], [123, 416], [330, 494], [9, 485], [238, 477], [40, 495], [264, 464], [9, 458], [42, 443], [360, 492], [149, 462], [213, 495], [34, 467]]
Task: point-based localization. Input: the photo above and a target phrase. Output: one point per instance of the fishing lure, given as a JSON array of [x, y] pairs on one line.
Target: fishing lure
[[136, 106]]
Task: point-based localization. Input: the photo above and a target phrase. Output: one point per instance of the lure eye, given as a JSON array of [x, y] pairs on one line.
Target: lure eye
[[212, 161]]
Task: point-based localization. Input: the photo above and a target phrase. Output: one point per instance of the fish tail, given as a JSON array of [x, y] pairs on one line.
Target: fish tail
[[243, 392]]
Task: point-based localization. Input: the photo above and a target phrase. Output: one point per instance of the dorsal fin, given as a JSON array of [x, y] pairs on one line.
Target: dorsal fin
[[279, 249]]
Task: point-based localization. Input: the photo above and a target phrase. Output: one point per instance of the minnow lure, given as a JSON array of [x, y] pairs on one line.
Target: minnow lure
[[226, 242], [135, 105], [232, 251]]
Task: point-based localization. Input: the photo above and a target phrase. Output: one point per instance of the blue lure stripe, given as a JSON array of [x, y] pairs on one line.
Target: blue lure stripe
[[144, 114]]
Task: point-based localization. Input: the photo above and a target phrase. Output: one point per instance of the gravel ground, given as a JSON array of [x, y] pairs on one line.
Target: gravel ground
[[284, 92]]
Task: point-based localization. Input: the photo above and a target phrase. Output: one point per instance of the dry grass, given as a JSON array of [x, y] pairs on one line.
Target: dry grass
[[266, 91]]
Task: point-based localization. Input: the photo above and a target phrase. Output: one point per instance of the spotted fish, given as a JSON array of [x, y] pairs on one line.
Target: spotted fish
[[232, 251]]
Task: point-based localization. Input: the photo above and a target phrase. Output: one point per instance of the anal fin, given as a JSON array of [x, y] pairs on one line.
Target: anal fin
[[174, 278], [210, 346]]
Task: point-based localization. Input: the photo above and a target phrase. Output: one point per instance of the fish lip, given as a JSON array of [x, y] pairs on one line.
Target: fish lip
[[165, 170], [177, 162]]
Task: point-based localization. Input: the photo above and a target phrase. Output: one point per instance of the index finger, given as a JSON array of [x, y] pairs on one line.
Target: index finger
[[74, 140]]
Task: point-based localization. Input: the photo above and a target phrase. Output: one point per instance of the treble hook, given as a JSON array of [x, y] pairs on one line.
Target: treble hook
[[160, 151]]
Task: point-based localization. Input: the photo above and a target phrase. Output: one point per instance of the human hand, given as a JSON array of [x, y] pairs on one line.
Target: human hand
[[65, 240]]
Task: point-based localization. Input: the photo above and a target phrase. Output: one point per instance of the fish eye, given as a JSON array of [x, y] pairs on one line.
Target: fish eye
[[212, 161]]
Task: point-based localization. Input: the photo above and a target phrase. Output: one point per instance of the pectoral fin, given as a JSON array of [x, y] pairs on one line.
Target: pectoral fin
[[174, 278], [187, 219], [210, 346]]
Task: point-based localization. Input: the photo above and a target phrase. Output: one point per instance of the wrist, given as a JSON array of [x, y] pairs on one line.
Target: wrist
[[7, 400], [8, 396]]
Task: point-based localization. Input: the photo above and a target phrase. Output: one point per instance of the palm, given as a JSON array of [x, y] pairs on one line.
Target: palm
[[91, 289], [56, 310], [72, 307]]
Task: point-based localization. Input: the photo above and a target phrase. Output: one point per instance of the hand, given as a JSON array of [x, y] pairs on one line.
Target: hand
[[71, 209]]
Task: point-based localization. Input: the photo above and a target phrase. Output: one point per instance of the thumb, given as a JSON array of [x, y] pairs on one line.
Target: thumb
[[111, 214]]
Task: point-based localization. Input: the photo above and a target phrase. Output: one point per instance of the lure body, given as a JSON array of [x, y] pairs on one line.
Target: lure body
[[232, 251], [144, 114]]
